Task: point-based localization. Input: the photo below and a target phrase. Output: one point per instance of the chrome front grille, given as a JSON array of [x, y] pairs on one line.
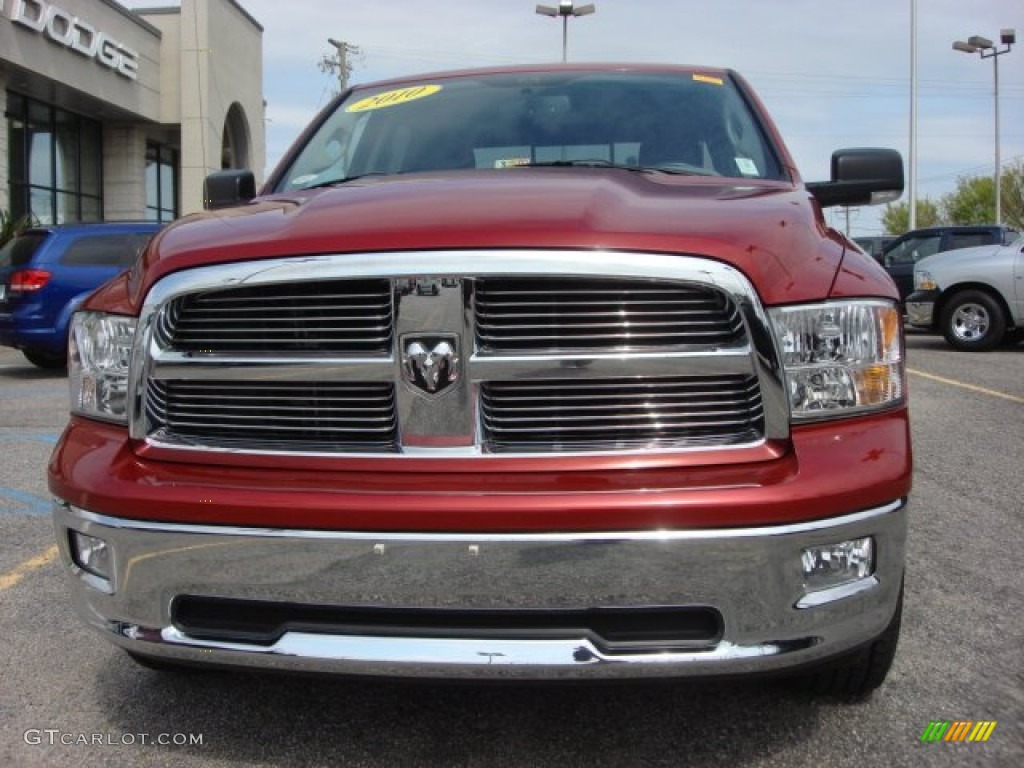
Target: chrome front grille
[[656, 412], [567, 314], [508, 353], [338, 316], [275, 415]]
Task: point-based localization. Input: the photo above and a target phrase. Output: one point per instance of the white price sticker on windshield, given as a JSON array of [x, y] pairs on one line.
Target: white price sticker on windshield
[[747, 166]]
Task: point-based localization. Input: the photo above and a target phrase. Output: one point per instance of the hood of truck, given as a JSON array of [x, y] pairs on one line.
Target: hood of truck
[[771, 231], [967, 258]]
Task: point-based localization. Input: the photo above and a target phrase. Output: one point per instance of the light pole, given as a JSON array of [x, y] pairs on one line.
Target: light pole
[[912, 186], [565, 9], [986, 49]]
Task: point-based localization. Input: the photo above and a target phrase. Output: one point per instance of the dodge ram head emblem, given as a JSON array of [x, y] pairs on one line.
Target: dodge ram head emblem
[[430, 363]]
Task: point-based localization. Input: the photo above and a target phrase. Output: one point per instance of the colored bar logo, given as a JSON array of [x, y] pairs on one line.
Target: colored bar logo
[[958, 730]]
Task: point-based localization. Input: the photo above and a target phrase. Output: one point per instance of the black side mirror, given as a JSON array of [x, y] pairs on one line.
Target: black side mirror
[[224, 189], [861, 177]]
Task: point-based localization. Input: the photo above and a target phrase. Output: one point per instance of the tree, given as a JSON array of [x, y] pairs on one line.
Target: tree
[[896, 216], [11, 226], [974, 199], [1012, 187], [972, 202]]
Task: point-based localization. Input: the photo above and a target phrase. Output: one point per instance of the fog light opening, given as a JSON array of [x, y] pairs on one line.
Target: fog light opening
[[91, 554], [834, 565]]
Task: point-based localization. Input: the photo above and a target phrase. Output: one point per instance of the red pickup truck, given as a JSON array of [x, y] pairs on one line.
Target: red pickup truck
[[542, 372]]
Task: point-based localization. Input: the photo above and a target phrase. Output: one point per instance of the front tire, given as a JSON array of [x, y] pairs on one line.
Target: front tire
[[40, 358], [855, 676], [972, 321]]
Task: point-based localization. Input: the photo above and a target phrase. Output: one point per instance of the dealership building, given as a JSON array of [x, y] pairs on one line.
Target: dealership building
[[114, 114]]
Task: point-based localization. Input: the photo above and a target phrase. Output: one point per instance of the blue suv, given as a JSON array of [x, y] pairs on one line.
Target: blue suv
[[46, 273]]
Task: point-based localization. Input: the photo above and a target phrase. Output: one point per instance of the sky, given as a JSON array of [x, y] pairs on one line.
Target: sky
[[832, 73]]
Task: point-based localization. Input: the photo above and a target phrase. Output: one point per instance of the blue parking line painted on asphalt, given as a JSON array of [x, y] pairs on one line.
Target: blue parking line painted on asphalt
[[46, 438], [25, 503]]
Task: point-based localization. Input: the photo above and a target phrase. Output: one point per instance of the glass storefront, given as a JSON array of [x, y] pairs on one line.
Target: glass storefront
[[55, 162], [161, 182]]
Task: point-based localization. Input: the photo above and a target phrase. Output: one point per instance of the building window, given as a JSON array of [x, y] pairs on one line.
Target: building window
[[161, 182], [55, 162]]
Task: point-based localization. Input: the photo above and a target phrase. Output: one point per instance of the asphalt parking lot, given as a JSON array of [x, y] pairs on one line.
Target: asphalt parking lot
[[960, 655]]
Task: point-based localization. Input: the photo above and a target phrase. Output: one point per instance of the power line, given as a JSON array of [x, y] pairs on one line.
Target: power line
[[969, 88], [985, 169]]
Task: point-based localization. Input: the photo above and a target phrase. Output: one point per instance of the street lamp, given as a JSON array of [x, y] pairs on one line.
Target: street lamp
[[986, 49], [565, 9]]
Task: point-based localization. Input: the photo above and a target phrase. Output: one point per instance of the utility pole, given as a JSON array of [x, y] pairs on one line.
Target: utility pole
[[341, 62]]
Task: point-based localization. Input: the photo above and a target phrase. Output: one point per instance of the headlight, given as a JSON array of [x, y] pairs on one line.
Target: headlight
[[923, 280], [99, 349], [840, 357]]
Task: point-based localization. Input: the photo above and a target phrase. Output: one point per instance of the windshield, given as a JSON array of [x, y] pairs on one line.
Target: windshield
[[913, 249], [681, 123]]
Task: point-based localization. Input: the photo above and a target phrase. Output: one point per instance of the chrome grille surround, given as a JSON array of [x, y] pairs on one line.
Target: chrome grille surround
[[461, 421]]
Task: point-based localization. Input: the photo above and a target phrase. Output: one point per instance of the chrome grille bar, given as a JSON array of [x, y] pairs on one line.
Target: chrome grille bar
[[657, 411], [274, 414], [341, 316], [524, 315]]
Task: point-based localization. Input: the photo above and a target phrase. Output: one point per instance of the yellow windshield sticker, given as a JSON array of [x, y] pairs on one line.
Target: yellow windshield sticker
[[708, 79], [393, 98]]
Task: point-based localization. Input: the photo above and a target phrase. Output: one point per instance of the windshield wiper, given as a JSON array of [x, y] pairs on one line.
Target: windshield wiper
[[588, 163], [345, 180], [674, 169], [680, 169]]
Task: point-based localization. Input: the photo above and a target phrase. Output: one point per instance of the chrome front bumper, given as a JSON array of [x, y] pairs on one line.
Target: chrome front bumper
[[752, 577], [920, 307]]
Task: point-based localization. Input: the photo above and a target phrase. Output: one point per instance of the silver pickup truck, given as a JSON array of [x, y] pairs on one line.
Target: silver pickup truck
[[973, 296]]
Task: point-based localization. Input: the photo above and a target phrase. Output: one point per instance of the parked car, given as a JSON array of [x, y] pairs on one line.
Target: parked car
[[899, 256], [46, 273], [628, 441], [874, 245], [973, 296], [428, 286]]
